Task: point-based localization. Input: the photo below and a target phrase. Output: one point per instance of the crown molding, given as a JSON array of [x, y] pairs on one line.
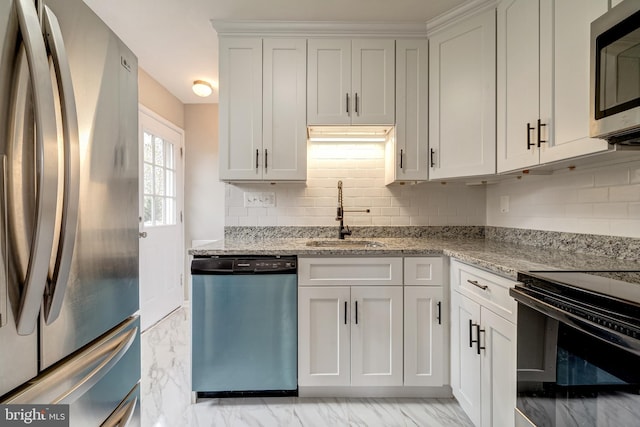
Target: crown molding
[[456, 14], [321, 29]]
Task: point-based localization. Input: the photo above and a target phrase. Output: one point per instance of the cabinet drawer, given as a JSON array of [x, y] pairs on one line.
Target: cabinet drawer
[[423, 271], [490, 290], [350, 271]]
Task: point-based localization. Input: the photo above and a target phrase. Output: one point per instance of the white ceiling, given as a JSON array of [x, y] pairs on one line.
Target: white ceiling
[[176, 44]]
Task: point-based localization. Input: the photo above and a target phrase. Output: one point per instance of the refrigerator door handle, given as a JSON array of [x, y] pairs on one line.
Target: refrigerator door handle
[[4, 289], [124, 412], [78, 375], [46, 165], [57, 286]]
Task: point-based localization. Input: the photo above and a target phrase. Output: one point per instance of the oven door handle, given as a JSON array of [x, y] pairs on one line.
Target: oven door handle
[[594, 329]]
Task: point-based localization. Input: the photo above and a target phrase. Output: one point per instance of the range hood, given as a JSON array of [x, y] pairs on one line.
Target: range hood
[[348, 133]]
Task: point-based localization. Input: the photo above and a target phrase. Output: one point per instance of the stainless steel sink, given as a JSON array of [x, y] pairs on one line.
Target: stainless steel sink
[[353, 244]]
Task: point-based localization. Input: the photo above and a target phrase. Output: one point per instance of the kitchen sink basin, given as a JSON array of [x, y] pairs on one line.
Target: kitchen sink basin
[[353, 244]]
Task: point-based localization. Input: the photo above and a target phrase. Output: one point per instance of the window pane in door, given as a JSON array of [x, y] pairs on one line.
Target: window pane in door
[[159, 185]]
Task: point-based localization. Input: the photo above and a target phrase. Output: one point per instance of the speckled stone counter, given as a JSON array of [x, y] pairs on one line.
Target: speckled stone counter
[[463, 243]]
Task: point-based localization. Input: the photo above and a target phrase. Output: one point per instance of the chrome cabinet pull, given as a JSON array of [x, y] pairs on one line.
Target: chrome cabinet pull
[[401, 156], [475, 283], [257, 159], [471, 340], [46, 161], [357, 112], [432, 158], [439, 313], [68, 227], [529, 143], [540, 126], [266, 159], [347, 96]]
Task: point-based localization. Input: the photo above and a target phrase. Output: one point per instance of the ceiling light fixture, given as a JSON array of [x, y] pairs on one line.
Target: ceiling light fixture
[[202, 88]]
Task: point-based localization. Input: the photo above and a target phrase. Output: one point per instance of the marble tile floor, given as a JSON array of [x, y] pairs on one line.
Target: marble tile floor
[[166, 396]]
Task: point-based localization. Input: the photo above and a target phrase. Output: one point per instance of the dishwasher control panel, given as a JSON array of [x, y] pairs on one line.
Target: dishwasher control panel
[[244, 265]]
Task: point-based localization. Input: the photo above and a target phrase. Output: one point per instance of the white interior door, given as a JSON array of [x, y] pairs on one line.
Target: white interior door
[[161, 226]]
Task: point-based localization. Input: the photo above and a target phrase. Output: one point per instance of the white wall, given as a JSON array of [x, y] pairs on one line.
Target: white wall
[[361, 168], [604, 201], [204, 193]]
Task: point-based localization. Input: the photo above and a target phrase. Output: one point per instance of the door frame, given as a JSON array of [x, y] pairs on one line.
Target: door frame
[[143, 110]]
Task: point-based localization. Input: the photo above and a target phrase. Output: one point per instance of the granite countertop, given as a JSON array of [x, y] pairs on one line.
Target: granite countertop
[[498, 257]]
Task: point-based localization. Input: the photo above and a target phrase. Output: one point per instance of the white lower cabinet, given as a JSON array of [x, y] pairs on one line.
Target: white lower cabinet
[[350, 336], [358, 326], [425, 349], [483, 346]]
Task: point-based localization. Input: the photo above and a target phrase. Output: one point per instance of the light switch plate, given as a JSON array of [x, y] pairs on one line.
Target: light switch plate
[[259, 199]]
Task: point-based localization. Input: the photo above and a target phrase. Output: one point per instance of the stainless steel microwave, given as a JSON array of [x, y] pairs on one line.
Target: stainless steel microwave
[[615, 74]]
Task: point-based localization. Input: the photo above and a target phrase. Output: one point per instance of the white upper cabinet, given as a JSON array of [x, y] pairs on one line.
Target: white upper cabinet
[[543, 81], [406, 158], [240, 108], [284, 135], [564, 92], [351, 82], [262, 109], [462, 98]]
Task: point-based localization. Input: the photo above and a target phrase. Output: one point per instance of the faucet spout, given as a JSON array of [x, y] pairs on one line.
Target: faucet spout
[[343, 230]]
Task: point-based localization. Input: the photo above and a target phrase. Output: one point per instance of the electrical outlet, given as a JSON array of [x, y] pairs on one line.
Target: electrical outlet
[[504, 204], [259, 200]]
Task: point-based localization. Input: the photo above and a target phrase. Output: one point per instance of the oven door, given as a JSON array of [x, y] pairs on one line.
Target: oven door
[[568, 377]]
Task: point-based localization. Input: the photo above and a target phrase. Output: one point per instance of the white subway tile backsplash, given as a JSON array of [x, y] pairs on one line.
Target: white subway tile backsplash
[[602, 200], [592, 195]]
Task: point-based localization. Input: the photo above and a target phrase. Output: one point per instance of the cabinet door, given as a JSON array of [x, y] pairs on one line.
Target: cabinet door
[[323, 336], [410, 160], [373, 82], [465, 360], [518, 79], [462, 98], [498, 370], [240, 108], [564, 86], [424, 347], [376, 336], [284, 136], [329, 82]]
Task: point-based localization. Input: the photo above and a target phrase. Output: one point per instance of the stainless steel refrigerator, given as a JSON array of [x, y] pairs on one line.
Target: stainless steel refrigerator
[[69, 332]]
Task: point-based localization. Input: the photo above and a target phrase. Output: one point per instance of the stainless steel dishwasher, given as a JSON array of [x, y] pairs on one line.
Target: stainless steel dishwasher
[[244, 326]]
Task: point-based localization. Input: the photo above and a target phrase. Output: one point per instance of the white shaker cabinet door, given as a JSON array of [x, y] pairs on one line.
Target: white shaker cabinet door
[[373, 82], [240, 108], [284, 137], [518, 77], [324, 336], [329, 82], [376, 336], [564, 81], [498, 369], [465, 358], [424, 346], [462, 98]]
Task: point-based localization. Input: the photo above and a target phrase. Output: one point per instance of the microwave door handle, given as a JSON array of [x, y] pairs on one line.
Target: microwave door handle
[[70, 202], [46, 168]]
